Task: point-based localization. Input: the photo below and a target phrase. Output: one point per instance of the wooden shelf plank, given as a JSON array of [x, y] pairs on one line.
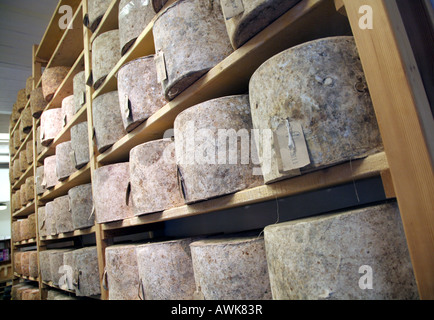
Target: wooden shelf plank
[[356, 170], [51, 285], [75, 233], [67, 86], [28, 138], [143, 46], [53, 33], [109, 21], [26, 277], [25, 242], [71, 44], [17, 125], [317, 18], [64, 135], [25, 211], [24, 176], [79, 177]]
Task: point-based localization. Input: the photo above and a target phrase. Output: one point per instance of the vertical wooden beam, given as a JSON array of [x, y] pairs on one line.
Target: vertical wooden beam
[[42, 287], [101, 242], [389, 189], [400, 103], [36, 74]]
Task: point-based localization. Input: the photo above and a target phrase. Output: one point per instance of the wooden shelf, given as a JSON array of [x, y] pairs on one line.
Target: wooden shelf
[[53, 33], [50, 284], [143, 46], [109, 21], [26, 277], [17, 125], [79, 177], [24, 176], [67, 87], [25, 211], [67, 235], [317, 18], [25, 242], [356, 170], [23, 145], [64, 135], [71, 43], [388, 68]]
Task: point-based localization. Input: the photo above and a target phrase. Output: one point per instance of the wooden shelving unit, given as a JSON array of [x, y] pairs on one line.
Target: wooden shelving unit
[[405, 167], [6, 273], [53, 33]]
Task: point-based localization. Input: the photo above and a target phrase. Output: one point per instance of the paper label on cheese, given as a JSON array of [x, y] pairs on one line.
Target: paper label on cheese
[[290, 146], [160, 63], [232, 8]]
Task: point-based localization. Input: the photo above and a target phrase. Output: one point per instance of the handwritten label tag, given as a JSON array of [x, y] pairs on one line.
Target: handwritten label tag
[[232, 8], [291, 147], [160, 63]]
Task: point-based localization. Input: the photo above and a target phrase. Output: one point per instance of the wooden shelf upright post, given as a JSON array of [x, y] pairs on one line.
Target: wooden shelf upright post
[[401, 106]]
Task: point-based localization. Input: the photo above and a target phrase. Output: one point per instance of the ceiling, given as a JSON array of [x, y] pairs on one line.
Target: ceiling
[[22, 24]]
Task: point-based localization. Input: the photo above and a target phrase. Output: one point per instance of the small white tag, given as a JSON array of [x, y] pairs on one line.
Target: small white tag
[[92, 212], [290, 146], [160, 63], [232, 8]]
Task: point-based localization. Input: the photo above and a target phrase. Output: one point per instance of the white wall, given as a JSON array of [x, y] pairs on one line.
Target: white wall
[[5, 223], [4, 185], [5, 215]]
